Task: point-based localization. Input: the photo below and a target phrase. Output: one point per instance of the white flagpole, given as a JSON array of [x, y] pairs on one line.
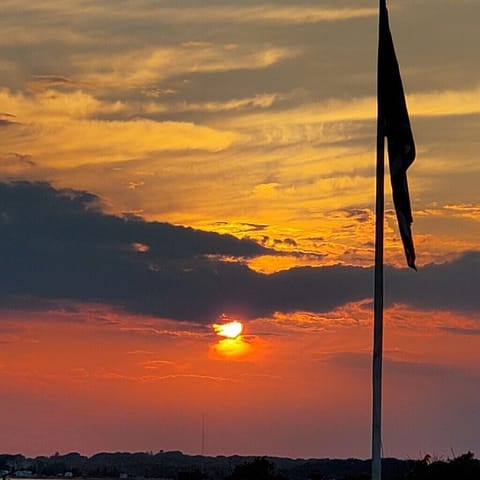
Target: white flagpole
[[378, 291]]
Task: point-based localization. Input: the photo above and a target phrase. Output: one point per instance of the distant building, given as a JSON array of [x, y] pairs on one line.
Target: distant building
[[68, 475]]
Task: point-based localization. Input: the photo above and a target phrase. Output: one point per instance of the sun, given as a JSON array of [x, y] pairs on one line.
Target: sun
[[229, 330]]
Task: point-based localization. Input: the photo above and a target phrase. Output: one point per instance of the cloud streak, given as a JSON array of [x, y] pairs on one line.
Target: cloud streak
[[209, 12]]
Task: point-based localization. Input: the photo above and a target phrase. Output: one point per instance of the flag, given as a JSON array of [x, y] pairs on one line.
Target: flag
[[396, 127]]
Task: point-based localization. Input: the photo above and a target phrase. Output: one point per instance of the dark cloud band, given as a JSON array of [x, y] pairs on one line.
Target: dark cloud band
[[59, 244]]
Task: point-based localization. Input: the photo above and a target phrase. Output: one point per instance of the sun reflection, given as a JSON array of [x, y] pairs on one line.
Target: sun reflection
[[232, 347]]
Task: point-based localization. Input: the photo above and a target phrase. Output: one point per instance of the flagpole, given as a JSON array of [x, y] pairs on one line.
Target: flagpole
[[378, 290]]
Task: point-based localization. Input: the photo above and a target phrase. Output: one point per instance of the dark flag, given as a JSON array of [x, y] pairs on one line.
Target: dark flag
[[396, 127]]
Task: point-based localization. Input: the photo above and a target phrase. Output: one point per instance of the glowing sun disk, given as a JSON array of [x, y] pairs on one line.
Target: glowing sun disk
[[229, 330]]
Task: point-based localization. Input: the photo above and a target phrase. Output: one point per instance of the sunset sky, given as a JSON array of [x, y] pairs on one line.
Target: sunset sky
[[170, 165]]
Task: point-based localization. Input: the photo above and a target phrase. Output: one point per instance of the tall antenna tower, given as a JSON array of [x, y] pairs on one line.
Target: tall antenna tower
[[203, 434]]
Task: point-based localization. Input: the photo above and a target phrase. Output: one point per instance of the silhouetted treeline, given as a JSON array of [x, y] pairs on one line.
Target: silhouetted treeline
[[177, 466]]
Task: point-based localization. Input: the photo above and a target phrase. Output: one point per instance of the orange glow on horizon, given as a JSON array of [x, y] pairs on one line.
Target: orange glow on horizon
[[305, 368]]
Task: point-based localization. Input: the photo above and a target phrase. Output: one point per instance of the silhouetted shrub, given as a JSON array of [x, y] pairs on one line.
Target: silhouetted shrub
[[192, 475], [464, 467], [257, 469]]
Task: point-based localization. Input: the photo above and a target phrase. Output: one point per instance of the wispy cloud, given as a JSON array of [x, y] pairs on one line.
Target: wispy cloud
[[206, 13], [266, 13], [67, 130], [145, 66], [432, 104], [362, 361]]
